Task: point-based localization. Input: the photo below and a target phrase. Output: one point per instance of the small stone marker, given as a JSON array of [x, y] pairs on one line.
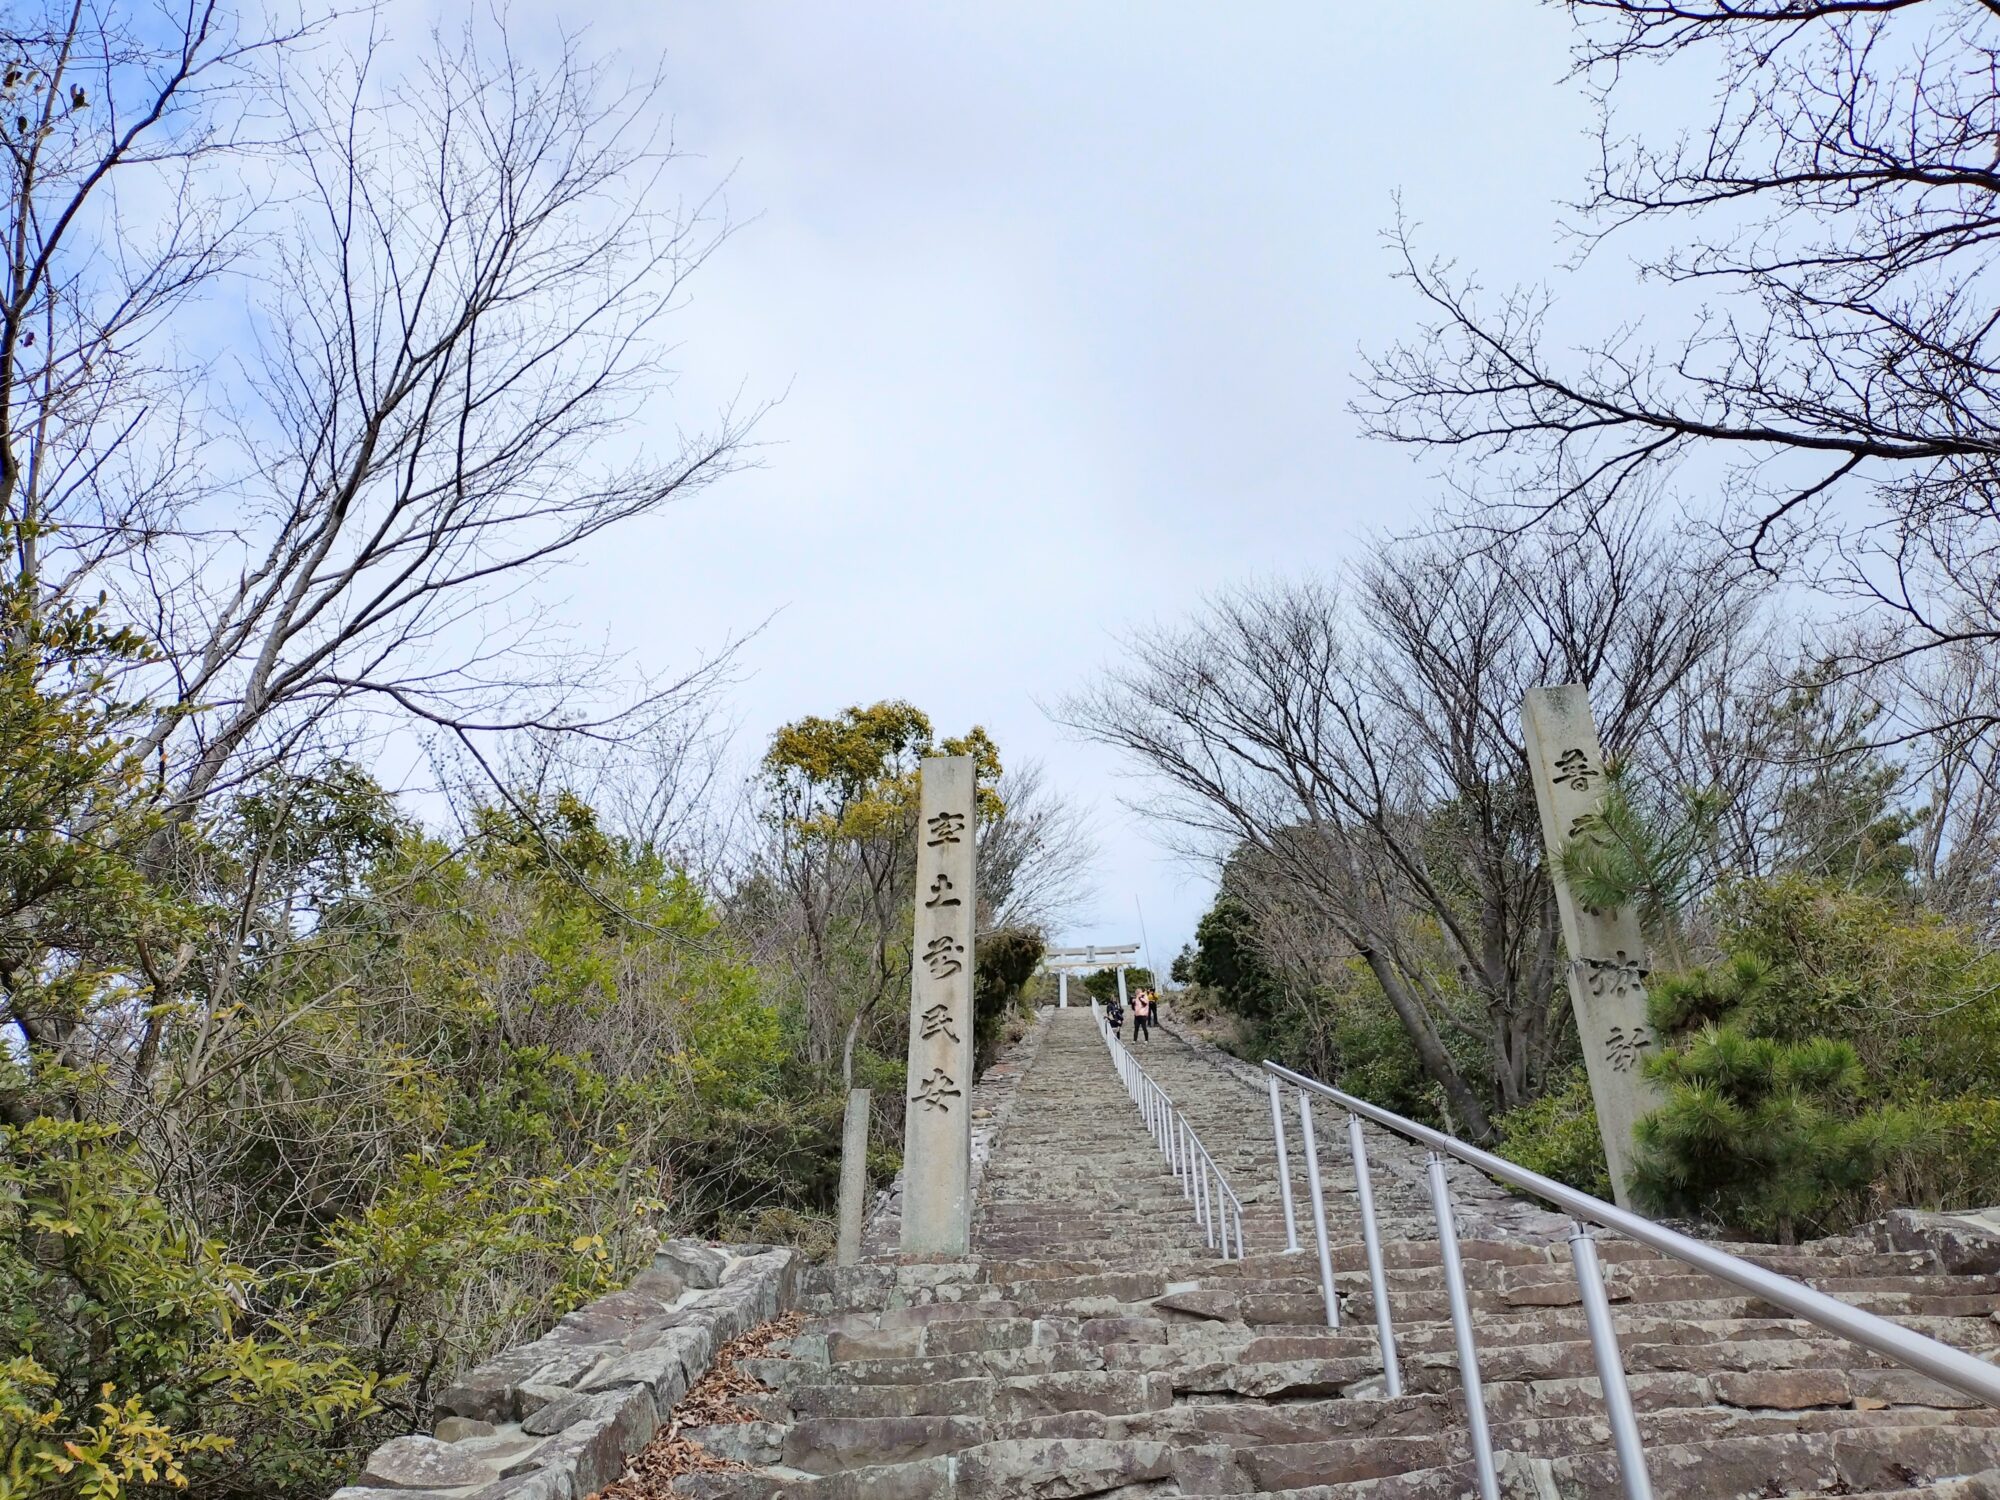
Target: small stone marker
[[1607, 951], [937, 1121], [853, 1177]]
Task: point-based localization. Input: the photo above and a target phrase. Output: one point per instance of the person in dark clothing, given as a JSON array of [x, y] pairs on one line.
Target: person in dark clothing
[[1117, 1018], [1142, 1015]]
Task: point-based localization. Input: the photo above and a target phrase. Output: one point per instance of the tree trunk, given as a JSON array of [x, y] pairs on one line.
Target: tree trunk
[[1464, 1104]]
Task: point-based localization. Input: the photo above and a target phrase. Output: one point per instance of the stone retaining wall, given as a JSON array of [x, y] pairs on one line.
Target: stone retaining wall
[[556, 1419]]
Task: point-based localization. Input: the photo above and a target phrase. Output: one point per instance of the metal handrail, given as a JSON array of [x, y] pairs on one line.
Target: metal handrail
[[1217, 1209], [1938, 1360]]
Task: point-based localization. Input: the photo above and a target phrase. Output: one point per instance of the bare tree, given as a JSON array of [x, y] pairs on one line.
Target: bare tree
[[1035, 858], [456, 285], [1369, 753], [1955, 777], [120, 132], [1828, 227]]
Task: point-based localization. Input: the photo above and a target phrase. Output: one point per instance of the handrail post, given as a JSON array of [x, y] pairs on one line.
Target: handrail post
[[1610, 1366], [1371, 1242], [1905, 1346], [1284, 1168], [1217, 1209], [1319, 1211], [1461, 1327], [1201, 1205]]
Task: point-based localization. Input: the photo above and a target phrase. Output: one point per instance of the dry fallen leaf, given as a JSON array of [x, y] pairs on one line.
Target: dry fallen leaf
[[717, 1399]]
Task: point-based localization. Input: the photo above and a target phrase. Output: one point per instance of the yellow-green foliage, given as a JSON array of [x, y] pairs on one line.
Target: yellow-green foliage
[[857, 776], [453, 1103], [134, 1355]]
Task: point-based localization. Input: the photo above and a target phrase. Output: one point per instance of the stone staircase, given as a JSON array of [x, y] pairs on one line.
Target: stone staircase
[[1094, 1346]]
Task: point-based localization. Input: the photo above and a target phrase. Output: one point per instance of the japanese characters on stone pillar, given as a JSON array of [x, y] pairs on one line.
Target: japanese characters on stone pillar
[[1607, 952], [937, 1129]]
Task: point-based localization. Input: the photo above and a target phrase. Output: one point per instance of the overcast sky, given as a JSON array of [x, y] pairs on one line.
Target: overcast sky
[[1065, 304]]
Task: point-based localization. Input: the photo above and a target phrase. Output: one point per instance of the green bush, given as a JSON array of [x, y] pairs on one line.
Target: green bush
[[1952, 1159], [1765, 1136], [1843, 1058], [134, 1355], [1557, 1136]]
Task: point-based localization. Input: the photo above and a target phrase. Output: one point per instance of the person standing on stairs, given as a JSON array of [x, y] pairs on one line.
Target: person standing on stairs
[[1142, 1014], [1117, 1019]]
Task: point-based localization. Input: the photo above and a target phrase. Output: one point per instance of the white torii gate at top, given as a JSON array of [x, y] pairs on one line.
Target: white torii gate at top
[[1086, 960]]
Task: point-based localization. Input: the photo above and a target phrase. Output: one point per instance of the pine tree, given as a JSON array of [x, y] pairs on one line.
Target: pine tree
[[1763, 1135]]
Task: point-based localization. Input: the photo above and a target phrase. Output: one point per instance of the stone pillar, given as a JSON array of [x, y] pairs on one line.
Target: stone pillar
[[1121, 986], [1607, 951], [853, 1177], [1062, 989], [937, 1121]]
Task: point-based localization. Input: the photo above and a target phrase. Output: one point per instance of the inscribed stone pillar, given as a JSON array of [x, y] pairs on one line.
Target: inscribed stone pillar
[[1062, 989], [937, 1129], [1121, 987], [1607, 952], [853, 1177]]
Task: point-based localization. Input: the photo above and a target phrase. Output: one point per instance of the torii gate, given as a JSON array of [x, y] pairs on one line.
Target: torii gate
[[1085, 960]]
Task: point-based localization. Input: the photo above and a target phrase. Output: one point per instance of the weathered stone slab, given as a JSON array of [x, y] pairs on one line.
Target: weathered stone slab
[[662, 1370], [564, 1411], [487, 1391], [593, 1451], [1782, 1390], [742, 1442], [697, 1264], [546, 1485], [611, 1318], [1202, 1302], [1965, 1243], [422, 1463]]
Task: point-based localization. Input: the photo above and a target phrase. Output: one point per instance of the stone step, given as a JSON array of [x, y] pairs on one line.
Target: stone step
[[1095, 1345], [1000, 1397], [843, 1446], [1415, 1296], [1357, 1340], [1438, 1371], [1806, 1463]]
